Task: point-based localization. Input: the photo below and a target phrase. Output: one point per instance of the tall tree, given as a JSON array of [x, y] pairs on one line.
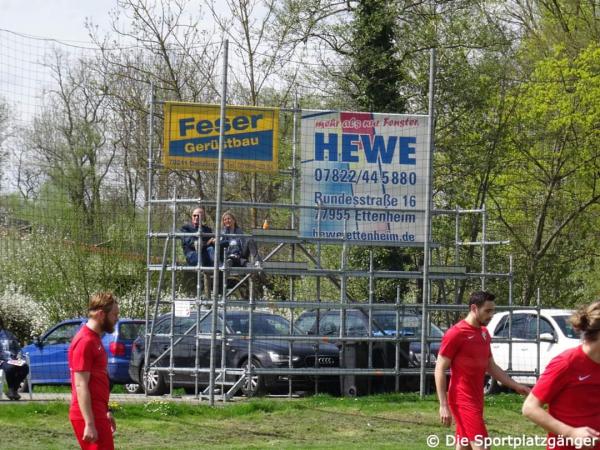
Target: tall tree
[[3, 137], [174, 52], [68, 140], [375, 77], [551, 180]]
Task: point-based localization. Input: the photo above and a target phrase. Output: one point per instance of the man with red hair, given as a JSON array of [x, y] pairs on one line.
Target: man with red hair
[[89, 414]]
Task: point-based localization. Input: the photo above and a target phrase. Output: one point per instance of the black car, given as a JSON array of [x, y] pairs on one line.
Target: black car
[[383, 324], [266, 353]]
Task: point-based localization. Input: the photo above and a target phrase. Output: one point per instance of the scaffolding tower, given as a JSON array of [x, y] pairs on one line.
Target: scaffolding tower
[[215, 293]]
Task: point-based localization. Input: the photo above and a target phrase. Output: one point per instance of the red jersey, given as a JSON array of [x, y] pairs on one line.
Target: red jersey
[[468, 348], [87, 354], [570, 386]]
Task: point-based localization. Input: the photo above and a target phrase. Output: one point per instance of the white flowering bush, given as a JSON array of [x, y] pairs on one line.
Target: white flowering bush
[[22, 315], [133, 303], [60, 275]]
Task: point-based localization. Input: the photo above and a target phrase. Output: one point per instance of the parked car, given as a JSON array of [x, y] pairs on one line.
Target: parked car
[[555, 334], [383, 324], [383, 352], [48, 355], [267, 353]]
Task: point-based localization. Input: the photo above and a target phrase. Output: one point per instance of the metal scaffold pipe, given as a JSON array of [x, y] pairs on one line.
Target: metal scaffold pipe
[[215, 291]]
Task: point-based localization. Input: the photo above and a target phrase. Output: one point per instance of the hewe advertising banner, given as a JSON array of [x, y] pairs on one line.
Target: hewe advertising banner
[[375, 164]]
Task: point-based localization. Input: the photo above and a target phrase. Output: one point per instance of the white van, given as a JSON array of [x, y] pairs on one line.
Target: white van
[[556, 335]]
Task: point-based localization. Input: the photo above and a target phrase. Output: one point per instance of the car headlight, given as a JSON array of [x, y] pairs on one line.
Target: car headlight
[[431, 358], [279, 358], [414, 356]]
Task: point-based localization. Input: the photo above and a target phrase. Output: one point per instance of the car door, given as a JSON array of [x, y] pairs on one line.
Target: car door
[[49, 361], [500, 350], [520, 350], [184, 351], [204, 347], [161, 344], [528, 351]]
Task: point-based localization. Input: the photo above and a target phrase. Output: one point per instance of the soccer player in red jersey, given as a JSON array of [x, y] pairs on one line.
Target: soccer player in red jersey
[[570, 386], [92, 421], [466, 351]]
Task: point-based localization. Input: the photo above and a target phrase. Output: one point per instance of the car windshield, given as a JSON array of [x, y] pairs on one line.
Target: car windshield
[[410, 325], [305, 323], [131, 330], [262, 324], [384, 322], [566, 327]]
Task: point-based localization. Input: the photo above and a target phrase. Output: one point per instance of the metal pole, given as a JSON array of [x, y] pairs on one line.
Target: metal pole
[[293, 227], [318, 289], [428, 191], [510, 313], [537, 337], [397, 343], [456, 252], [249, 363], [370, 316], [294, 167], [215, 293], [173, 291], [483, 245], [343, 297], [149, 224]]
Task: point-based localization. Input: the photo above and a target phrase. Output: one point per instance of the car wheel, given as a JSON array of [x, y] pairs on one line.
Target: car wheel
[[133, 388], [254, 386], [154, 382], [490, 386]]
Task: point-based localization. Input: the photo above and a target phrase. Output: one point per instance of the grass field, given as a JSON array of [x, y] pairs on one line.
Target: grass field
[[399, 421]]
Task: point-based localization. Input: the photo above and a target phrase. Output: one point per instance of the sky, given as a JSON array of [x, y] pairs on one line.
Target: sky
[[56, 19]]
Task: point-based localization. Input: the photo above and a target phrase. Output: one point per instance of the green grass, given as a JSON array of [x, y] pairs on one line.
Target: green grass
[[66, 389], [399, 421]]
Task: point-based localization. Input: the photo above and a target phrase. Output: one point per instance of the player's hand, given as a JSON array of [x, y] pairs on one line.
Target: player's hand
[[113, 423], [522, 389], [585, 435], [445, 416], [89, 433]]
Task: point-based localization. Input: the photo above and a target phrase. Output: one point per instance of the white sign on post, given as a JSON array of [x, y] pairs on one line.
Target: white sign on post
[[364, 161], [183, 308]]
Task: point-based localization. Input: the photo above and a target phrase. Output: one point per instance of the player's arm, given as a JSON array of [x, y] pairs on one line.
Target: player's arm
[[500, 375], [442, 364], [111, 419], [533, 409], [84, 399]]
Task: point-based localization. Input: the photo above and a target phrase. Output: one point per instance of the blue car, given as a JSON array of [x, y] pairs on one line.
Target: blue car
[[48, 355]]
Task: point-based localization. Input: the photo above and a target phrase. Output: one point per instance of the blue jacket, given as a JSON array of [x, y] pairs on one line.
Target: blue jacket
[[9, 346], [189, 244]]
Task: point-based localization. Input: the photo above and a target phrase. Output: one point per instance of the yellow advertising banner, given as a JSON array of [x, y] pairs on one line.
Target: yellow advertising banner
[[191, 137]]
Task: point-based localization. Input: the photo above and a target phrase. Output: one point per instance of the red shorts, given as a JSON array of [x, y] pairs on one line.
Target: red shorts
[[105, 436], [469, 423]]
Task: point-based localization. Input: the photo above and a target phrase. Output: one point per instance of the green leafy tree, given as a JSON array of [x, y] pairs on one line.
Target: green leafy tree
[[550, 184], [375, 77], [3, 136]]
